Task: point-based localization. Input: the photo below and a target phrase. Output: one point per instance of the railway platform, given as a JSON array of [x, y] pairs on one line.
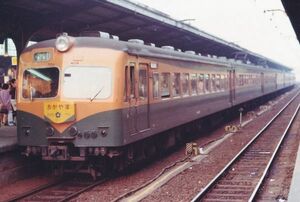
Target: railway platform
[[8, 138], [294, 194]]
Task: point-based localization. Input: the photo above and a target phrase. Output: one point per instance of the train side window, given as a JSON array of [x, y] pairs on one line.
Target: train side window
[[227, 80], [126, 84], [194, 84], [213, 83], [207, 83], [132, 82], [222, 82], [176, 85], [249, 79], [241, 80], [143, 84], [165, 85], [185, 84], [200, 83], [155, 85], [218, 85]]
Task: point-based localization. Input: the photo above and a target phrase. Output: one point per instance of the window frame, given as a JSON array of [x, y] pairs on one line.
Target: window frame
[[98, 99], [193, 78], [187, 93], [168, 87], [174, 78], [58, 83]]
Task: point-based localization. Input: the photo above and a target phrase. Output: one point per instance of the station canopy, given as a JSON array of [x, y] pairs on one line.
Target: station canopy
[[38, 20]]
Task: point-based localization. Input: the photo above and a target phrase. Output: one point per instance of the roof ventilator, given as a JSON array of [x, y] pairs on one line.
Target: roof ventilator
[[190, 52], [168, 47], [114, 37], [99, 34], [150, 44], [222, 58], [138, 41], [95, 34]]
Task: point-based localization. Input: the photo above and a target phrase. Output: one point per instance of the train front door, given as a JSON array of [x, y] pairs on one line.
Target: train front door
[[143, 98], [231, 86]]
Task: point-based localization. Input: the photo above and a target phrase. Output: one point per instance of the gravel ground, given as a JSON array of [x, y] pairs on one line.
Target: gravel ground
[[22, 186]]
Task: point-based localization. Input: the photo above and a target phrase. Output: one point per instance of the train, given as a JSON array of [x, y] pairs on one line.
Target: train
[[94, 99]]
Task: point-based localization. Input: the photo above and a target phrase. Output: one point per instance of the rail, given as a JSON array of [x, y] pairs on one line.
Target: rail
[[201, 195], [61, 186]]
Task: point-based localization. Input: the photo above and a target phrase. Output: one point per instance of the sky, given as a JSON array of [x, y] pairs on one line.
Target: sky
[[261, 26]]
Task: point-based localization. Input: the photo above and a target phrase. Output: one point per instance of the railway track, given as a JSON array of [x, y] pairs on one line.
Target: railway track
[[242, 177], [59, 191]]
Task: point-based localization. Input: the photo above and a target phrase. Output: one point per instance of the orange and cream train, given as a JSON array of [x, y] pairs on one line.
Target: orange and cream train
[[90, 98]]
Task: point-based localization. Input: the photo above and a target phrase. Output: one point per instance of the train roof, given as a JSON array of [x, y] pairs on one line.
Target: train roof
[[137, 47]]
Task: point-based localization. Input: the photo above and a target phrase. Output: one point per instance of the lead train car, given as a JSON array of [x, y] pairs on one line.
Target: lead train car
[[90, 97]]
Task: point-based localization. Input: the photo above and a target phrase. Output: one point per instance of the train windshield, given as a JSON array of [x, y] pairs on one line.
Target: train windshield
[[87, 83], [40, 82]]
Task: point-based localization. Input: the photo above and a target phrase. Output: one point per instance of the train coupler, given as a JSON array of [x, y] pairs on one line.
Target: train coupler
[[54, 152]]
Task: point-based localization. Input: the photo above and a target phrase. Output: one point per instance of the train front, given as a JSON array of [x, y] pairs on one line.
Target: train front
[[67, 110]]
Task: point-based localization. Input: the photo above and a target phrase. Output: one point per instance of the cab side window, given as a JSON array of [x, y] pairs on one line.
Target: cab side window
[[129, 83], [143, 87], [132, 81], [126, 84]]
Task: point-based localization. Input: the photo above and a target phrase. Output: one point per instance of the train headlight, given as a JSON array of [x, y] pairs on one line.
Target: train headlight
[[63, 42]]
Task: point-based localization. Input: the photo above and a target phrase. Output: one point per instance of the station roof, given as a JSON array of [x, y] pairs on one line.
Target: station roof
[[292, 8], [124, 18]]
